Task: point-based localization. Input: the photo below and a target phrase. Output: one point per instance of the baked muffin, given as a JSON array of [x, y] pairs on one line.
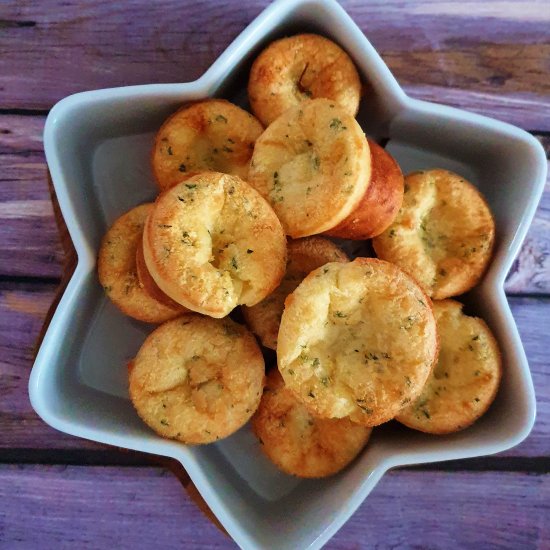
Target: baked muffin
[[313, 166], [357, 340], [197, 379], [466, 378], [443, 234], [207, 135], [301, 444], [212, 243], [298, 68]]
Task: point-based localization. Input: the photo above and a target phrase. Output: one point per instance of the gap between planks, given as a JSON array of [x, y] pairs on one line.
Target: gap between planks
[[113, 456]]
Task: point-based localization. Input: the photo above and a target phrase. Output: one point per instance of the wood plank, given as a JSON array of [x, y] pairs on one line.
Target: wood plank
[[92, 506], [530, 273], [24, 306], [29, 240], [147, 508], [527, 110], [22, 311], [496, 49], [30, 246]]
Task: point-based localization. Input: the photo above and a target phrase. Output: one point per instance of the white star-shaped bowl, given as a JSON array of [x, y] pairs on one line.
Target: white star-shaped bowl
[[97, 146]]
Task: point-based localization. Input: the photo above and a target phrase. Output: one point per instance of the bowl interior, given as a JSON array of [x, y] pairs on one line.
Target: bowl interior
[[103, 144]]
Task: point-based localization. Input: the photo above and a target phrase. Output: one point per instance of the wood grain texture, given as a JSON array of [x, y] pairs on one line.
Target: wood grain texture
[[148, 508], [29, 240], [491, 48], [30, 245], [530, 273], [24, 306]]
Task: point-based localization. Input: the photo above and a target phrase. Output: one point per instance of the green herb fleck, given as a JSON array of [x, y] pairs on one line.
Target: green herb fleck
[[336, 124], [191, 185], [186, 239], [409, 322], [234, 263], [316, 362], [363, 407], [339, 313], [164, 422], [221, 118]]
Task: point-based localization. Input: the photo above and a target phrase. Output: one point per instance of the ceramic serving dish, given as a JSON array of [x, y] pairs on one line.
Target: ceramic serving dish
[[97, 147]]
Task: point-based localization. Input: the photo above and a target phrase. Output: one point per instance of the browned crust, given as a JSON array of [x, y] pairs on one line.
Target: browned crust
[[149, 284], [304, 255], [380, 203], [117, 269]]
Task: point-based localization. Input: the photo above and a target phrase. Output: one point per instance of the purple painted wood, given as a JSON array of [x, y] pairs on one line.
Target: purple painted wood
[[22, 311], [148, 508], [489, 57], [494, 49], [29, 240]]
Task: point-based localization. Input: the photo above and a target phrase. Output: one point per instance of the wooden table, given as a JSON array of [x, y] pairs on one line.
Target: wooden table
[[57, 491]]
